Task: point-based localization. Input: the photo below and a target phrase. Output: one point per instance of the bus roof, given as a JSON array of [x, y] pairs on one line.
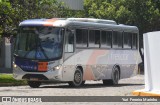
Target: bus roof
[[88, 23]]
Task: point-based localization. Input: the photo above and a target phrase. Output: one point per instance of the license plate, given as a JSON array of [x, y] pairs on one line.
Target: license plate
[[42, 66], [34, 79]]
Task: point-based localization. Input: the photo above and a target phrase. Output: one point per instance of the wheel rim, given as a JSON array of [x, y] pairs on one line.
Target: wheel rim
[[77, 77]]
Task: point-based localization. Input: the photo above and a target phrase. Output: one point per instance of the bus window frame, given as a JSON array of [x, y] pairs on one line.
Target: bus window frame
[[82, 39], [106, 34], [94, 36], [137, 41], [137, 44], [111, 48], [117, 31]]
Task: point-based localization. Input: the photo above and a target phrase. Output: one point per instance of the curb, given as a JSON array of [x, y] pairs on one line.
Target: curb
[[145, 93]]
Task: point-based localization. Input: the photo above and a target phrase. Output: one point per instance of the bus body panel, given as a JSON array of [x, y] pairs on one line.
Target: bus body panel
[[97, 63], [50, 74]]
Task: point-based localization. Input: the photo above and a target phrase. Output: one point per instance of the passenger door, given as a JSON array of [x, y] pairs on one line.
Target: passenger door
[[69, 60]]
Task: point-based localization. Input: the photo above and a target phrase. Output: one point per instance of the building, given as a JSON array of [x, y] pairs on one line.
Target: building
[[73, 4]]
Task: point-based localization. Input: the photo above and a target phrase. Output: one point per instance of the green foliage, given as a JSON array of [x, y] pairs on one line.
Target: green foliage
[[5, 19], [14, 11], [7, 79], [144, 14]]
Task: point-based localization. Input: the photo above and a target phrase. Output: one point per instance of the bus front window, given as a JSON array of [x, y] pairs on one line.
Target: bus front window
[[41, 43]]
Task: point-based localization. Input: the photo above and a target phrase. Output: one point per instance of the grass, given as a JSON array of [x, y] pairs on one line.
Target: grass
[[8, 80]]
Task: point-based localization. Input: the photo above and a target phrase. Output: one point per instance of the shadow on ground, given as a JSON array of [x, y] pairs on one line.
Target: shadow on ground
[[89, 86]]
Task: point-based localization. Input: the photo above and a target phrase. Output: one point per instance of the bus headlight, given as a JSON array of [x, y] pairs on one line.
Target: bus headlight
[[57, 67], [14, 65]]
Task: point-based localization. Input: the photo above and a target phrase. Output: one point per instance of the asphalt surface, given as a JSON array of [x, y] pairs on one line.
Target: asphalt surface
[[91, 88]]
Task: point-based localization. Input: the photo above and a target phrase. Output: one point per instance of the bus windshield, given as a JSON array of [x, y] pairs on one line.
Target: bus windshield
[[39, 42]]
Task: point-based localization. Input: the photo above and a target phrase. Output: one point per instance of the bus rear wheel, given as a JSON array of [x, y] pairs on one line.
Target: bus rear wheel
[[114, 77], [34, 84], [78, 79]]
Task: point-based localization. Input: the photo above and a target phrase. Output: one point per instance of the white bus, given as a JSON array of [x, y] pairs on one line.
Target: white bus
[[74, 50]]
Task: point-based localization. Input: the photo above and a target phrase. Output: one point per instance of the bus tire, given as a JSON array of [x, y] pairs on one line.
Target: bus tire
[[78, 79], [34, 84], [83, 82], [114, 77]]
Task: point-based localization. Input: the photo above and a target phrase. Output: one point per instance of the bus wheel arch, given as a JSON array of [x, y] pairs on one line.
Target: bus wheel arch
[[81, 68], [115, 76], [77, 74]]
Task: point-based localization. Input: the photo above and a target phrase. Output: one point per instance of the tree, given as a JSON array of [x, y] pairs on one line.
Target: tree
[[145, 14], [14, 11], [5, 19], [142, 13]]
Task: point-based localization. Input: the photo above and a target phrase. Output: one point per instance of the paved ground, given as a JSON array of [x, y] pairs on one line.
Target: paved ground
[[92, 88]]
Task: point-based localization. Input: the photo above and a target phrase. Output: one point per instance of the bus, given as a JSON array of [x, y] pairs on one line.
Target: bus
[[73, 50]]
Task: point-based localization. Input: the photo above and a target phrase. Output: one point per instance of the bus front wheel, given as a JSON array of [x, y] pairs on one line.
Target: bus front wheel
[[34, 84], [78, 79], [114, 77]]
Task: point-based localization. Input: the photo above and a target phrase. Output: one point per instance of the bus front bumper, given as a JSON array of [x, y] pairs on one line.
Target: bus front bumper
[[50, 75]]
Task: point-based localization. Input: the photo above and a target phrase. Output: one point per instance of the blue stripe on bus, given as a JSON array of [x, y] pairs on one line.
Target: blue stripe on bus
[[26, 65]]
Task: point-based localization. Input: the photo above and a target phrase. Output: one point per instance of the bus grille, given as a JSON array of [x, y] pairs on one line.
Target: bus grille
[[34, 76]]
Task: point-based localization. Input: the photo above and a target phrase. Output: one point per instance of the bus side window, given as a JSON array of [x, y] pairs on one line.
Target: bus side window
[[127, 40], [120, 39], [91, 38], [106, 39], [94, 38], [81, 38], [97, 38], [134, 41], [69, 41], [117, 39]]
